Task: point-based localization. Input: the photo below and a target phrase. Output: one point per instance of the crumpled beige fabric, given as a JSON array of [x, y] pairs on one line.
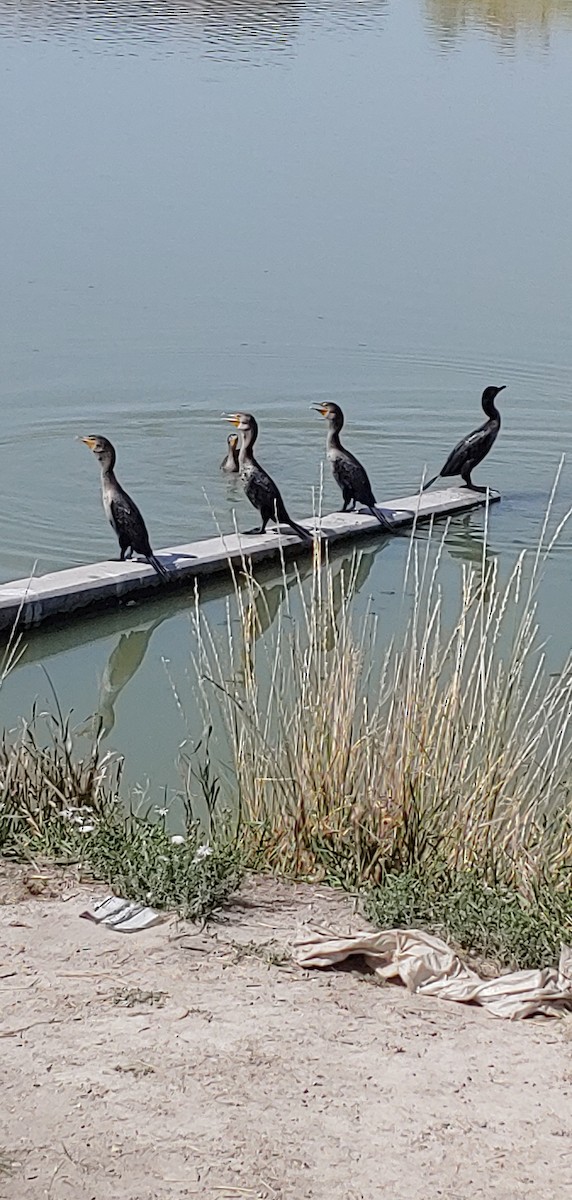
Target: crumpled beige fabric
[[428, 966]]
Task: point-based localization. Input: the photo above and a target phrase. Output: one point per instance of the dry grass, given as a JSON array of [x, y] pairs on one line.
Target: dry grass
[[455, 749], [54, 784]]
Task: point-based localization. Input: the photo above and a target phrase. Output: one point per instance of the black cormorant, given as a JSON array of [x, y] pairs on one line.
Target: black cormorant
[[121, 510], [348, 473], [230, 460], [260, 489], [472, 449]]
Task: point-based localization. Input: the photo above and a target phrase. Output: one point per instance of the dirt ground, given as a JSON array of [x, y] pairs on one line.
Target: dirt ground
[[176, 1063]]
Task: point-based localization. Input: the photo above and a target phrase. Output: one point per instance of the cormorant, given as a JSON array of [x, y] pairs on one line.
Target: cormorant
[[260, 489], [472, 449], [348, 473], [121, 510], [230, 460]]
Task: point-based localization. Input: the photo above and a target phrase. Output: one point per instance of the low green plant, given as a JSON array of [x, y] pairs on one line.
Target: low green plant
[[59, 799], [494, 921], [140, 860]]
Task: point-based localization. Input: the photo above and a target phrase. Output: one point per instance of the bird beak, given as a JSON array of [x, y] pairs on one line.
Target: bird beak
[[319, 408], [89, 441], [232, 417], [501, 389]]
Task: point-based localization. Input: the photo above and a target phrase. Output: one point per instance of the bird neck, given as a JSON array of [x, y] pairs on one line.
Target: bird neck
[[107, 473], [246, 452], [490, 409], [333, 438]]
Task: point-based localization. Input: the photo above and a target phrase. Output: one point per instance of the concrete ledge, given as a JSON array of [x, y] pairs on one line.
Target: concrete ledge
[[31, 602]]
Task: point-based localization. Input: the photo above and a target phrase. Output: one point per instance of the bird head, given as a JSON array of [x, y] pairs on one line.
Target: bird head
[[101, 447], [332, 412], [491, 393], [243, 421]]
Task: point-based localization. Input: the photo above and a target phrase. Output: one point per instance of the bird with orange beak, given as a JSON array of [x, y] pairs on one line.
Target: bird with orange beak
[[349, 474], [121, 511], [230, 460], [259, 487]]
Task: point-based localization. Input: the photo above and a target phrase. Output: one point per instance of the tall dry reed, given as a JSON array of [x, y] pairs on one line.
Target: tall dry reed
[[353, 756]]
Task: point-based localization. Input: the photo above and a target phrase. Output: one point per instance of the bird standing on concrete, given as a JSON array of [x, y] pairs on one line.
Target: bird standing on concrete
[[348, 472], [260, 488], [472, 449], [121, 511]]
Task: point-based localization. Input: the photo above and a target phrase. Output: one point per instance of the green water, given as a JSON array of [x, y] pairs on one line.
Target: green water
[[258, 206]]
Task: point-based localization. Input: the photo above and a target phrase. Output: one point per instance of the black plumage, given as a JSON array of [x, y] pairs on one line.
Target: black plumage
[[259, 487], [349, 474], [472, 449], [122, 512], [229, 463]]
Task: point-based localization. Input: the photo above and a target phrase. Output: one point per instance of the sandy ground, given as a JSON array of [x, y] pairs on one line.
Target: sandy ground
[[178, 1063]]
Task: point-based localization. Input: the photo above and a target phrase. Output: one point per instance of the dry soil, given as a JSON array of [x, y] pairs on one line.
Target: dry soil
[[178, 1062]]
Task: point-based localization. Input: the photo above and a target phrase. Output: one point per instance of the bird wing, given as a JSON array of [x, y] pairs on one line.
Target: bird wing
[[264, 494], [470, 450], [352, 477], [128, 522]]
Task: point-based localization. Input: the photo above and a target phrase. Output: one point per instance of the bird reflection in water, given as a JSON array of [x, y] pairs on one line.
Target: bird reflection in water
[[122, 664], [471, 547], [260, 604], [348, 574], [465, 540]]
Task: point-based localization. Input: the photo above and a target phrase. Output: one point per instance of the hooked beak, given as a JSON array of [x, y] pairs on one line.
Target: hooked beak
[[89, 441], [319, 408], [233, 418], [501, 389]]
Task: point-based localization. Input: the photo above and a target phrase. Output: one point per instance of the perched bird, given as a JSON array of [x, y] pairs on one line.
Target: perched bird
[[260, 489], [348, 473], [472, 449], [121, 510], [230, 460]]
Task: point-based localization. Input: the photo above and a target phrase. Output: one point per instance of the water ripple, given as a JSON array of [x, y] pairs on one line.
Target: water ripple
[[220, 25]]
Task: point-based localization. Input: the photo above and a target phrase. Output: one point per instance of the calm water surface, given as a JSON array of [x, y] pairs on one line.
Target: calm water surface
[[212, 206]]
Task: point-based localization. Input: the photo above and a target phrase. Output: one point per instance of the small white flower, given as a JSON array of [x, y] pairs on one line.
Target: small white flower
[[177, 839], [202, 852], [161, 812]]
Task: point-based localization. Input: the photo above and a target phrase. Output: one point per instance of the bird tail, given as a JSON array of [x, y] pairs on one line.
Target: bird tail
[[381, 518], [430, 483], [299, 529], [162, 571]]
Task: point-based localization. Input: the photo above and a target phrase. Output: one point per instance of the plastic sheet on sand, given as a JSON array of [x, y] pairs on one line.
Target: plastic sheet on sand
[[429, 967]]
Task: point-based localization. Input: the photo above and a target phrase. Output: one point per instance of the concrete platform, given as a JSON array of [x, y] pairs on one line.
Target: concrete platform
[[31, 602]]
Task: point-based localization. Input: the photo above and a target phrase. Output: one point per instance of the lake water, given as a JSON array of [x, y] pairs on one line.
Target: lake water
[[250, 205]]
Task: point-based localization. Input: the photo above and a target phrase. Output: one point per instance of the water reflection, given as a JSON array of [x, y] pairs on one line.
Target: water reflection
[[122, 664], [500, 18], [269, 23], [463, 544]]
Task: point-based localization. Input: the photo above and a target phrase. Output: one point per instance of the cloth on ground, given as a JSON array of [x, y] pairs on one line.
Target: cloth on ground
[[428, 966]]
